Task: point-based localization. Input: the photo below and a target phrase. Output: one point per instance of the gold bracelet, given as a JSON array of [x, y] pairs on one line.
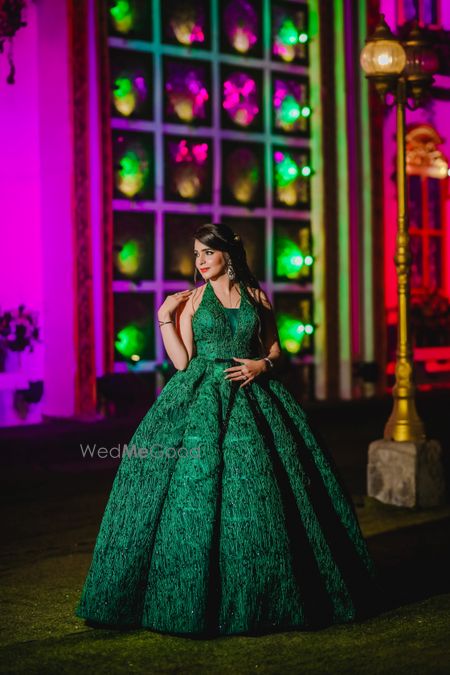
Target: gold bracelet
[[161, 323]]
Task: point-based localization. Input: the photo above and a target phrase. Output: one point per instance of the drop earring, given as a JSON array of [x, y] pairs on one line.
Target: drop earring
[[230, 271]]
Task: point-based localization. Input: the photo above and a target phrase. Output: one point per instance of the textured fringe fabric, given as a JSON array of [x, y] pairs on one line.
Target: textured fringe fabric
[[248, 529]]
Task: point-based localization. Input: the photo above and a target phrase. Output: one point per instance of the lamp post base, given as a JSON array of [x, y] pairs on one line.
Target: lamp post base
[[406, 473]]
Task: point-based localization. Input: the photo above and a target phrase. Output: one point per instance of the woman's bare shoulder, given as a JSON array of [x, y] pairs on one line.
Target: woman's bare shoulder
[[196, 297], [190, 306], [260, 296]]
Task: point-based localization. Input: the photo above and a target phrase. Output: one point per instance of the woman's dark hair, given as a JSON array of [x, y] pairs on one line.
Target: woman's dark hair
[[220, 237]]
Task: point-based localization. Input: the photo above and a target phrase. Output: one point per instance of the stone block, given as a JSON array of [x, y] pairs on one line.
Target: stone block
[[406, 473]]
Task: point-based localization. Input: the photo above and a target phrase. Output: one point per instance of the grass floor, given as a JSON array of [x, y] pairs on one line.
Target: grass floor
[[50, 524]]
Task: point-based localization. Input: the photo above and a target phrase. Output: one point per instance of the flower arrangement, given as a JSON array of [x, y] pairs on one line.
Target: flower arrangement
[[19, 329]]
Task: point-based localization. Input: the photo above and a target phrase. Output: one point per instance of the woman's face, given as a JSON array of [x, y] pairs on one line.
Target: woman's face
[[209, 262]]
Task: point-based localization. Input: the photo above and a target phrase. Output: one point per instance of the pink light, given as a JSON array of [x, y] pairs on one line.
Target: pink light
[[240, 98], [182, 153], [197, 34], [187, 91], [198, 153]]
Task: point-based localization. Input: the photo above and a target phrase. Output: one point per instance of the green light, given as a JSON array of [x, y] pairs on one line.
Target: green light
[[288, 33], [124, 96], [291, 333], [129, 257], [303, 37], [290, 110], [122, 15], [286, 171], [306, 111], [132, 174], [120, 10], [306, 171], [290, 259], [129, 164], [123, 87], [131, 341], [309, 260]]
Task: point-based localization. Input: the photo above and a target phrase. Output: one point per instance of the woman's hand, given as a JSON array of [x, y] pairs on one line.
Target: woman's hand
[[247, 372], [171, 303]]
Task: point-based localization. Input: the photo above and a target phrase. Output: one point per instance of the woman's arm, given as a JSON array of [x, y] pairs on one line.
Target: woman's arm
[[185, 327], [270, 338]]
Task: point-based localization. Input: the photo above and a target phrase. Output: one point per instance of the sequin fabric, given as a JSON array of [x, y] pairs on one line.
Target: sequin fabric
[[237, 520]]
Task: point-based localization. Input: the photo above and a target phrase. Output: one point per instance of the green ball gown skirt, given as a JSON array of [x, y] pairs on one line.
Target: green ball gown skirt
[[229, 517]]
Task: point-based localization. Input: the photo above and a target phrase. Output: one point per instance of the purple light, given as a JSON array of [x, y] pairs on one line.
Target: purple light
[[141, 87], [241, 25], [240, 98], [186, 91]]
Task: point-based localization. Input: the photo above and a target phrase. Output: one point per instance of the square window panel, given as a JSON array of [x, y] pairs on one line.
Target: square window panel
[[290, 109], [293, 260], [243, 176], [290, 32], [294, 316], [291, 171], [134, 327], [188, 168], [187, 91], [241, 91], [133, 162], [241, 28], [131, 84], [186, 23], [179, 228], [252, 233], [131, 19], [133, 246]]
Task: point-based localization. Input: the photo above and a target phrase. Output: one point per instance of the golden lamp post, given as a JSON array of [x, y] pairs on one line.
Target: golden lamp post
[[403, 462]]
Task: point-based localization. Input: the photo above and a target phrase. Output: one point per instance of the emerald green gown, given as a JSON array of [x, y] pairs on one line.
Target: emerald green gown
[[230, 517]]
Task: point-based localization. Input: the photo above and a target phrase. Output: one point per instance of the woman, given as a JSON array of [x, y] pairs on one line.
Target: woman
[[235, 519]]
